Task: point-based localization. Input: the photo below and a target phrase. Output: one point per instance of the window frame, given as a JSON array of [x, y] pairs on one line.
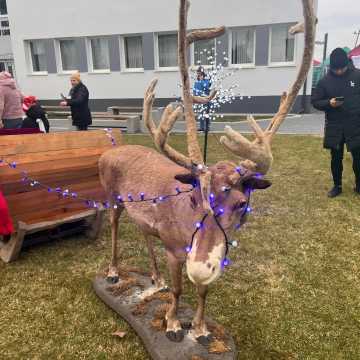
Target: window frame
[[251, 65], [29, 53], [206, 67], [90, 59], [157, 59], [59, 62], [124, 68], [281, 63]]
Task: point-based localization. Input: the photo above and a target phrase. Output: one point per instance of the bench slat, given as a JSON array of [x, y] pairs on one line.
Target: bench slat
[[34, 143]]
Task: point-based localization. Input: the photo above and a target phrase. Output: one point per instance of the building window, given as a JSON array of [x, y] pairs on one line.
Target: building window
[[5, 32], [204, 52], [68, 54], [5, 23], [100, 54], [282, 44], [133, 52], [3, 7], [243, 46], [38, 55], [168, 51]]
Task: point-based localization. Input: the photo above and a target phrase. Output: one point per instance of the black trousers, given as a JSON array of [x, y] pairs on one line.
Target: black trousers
[[82, 127], [337, 156]]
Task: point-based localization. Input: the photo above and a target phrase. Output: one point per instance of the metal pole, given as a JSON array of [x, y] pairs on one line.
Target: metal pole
[[206, 138], [325, 46], [357, 37]]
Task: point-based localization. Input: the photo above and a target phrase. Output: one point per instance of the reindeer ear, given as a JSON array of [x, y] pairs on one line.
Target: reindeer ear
[[256, 183], [187, 178]]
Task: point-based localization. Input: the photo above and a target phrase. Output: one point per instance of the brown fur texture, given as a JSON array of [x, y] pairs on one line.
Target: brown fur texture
[[136, 169]]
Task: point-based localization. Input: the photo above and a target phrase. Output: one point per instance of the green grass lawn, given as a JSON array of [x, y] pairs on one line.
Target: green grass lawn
[[292, 292]]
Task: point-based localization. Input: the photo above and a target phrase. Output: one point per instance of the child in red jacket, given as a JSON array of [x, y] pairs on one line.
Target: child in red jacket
[[6, 226]]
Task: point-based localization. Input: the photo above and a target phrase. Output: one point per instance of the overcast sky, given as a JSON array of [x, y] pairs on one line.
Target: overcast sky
[[339, 18]]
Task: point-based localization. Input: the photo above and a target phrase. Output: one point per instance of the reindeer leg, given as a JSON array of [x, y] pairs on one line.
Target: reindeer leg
[[113, 274], [157, 278], [174, 332], [202, 335]]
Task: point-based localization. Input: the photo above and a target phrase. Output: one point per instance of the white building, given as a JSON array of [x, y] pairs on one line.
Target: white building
[[6, 55], [119, 46]]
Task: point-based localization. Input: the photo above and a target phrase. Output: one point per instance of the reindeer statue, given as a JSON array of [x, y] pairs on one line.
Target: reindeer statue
[[220, 192]]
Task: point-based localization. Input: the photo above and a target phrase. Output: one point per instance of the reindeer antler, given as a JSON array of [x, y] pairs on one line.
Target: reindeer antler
[[257, 154], [160, 134]]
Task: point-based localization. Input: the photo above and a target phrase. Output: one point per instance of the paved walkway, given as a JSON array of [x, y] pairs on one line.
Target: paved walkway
[[309, 124]]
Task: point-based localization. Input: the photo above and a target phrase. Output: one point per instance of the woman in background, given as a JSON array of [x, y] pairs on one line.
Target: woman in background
[[79, 103], [11, 112]]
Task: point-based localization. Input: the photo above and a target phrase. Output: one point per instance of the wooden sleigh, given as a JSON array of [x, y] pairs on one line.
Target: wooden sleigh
[[67, 161]]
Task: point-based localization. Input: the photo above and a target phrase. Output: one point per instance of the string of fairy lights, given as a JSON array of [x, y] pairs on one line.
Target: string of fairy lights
[[216, 76]]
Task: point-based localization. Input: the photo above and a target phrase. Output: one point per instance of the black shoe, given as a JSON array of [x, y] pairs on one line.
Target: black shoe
[[335, 191]]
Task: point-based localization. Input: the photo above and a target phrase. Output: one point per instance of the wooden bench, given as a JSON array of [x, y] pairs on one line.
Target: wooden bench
[[67, 160]]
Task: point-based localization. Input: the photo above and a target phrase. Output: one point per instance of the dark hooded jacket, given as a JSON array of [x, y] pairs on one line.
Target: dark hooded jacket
[[342, 122], [35, 112], [79, 104]]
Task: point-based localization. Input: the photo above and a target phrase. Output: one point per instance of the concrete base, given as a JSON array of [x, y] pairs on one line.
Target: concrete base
[[145, 313]]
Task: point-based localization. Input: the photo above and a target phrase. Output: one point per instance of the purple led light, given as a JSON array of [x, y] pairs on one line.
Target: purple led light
[[248, 209], [142, 196], [188, 249], [161, 198], [119, 198], [212, 197], [130, 197], [178, 191], [74, 195], [198, 225], [225, 263]]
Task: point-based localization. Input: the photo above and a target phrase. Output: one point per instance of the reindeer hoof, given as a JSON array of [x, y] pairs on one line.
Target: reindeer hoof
[[187, 325], [204, 340], [175, 336], [112, 279], [164, 290]]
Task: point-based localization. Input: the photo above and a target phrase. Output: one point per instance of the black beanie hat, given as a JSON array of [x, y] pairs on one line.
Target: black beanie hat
[[338, 59]]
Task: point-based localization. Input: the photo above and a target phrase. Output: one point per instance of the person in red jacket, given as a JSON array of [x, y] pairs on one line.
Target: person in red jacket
[[6, 226]]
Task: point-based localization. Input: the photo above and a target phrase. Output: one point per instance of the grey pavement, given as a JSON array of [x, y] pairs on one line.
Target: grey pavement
[[309, 124]]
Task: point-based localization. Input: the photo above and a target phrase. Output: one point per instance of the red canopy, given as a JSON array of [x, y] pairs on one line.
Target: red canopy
[[316, 62], [354, 52]]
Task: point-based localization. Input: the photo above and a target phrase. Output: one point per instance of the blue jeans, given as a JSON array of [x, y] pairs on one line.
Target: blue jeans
[[203, 119], [12, 123]]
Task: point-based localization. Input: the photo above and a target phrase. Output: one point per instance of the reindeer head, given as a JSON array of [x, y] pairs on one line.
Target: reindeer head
[[231, 187], [225, 187]]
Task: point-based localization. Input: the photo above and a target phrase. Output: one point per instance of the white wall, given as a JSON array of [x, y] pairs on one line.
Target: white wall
[[50, 19]]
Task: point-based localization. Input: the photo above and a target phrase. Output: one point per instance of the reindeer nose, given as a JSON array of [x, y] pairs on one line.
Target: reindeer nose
[[203, 273]]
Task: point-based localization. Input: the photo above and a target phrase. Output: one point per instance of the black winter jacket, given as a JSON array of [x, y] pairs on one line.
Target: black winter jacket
[[79, 104], [342, 122], [35, 112]]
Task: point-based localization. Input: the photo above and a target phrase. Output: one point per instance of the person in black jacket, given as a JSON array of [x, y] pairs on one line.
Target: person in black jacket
[[79, 103], [338, 94], [35, 115]]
